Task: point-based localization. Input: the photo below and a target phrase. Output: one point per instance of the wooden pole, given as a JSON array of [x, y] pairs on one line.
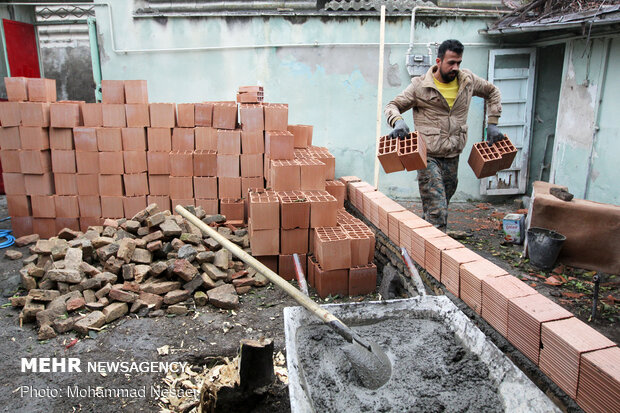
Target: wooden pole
[[379, 92]]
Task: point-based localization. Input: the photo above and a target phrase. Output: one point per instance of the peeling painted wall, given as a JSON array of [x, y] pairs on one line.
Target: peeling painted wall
[[603, 185], [333, 88], [71, 66], [586, 143]]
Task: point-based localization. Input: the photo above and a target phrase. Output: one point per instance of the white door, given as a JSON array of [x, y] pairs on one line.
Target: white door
[[513, 72]]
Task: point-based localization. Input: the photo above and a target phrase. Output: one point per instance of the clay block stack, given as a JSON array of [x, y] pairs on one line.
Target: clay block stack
[[26, 155], [63, 117], [250, 94], [291, 162], [302, 190], [342, 260], [335, 249], [71, 164], [294, 230], [109, 159], [264, 223], [252, 119]]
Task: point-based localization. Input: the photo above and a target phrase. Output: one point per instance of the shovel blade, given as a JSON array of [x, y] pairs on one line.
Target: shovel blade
[[373, 368]]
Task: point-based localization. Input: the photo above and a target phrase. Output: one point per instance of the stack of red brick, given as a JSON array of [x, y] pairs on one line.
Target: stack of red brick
[[335, 249], [300, 212], [70, 164], [27, 159], [581, 361]]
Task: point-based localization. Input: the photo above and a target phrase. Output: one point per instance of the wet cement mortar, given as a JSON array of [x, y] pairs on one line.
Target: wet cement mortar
[[448, 379]]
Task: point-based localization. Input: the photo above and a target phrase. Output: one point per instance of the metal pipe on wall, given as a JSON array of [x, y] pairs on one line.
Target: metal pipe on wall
[[456, 11], [379, 94], [228, 47], [166, 6]]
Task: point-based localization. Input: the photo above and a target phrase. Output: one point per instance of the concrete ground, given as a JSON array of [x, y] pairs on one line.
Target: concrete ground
[[204, 336]]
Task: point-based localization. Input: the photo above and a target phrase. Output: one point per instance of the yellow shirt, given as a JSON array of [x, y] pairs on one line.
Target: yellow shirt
[[448, 90]]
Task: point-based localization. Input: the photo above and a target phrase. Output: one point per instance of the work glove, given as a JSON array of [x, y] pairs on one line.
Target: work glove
[[493, 134], [401, 130]]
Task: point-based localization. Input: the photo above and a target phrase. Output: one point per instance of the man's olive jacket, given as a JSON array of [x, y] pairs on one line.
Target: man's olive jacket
[[444, 130]]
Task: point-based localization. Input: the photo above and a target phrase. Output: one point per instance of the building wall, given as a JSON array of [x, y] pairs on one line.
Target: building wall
[[603, 178], [586, 144], [332, 87]]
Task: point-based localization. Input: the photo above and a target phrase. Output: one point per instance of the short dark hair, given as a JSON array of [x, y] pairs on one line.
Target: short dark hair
[[453, 45]]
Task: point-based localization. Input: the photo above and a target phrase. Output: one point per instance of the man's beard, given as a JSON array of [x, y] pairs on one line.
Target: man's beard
[[448, 76]]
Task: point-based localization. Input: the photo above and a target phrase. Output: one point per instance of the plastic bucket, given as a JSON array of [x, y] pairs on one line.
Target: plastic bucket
[[544, 246]]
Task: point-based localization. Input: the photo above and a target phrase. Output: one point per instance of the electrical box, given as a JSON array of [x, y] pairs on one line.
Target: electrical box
[[418, 64]]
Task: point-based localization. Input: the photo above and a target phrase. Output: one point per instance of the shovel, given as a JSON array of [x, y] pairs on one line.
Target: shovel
[[368, 359]]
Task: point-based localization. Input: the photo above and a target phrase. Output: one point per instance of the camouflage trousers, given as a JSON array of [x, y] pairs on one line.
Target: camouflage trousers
[[437, 184]]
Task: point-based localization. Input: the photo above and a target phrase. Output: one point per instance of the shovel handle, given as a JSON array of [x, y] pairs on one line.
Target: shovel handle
[[301, 279], [324, 315], [415, 275]]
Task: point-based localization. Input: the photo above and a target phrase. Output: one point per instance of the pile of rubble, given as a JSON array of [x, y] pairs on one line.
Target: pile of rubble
[[153, 264]]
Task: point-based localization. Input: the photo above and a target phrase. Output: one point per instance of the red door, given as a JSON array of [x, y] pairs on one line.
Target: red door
[[21, 48]]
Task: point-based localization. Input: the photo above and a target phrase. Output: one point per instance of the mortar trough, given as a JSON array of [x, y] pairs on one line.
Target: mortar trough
[[441, 362]]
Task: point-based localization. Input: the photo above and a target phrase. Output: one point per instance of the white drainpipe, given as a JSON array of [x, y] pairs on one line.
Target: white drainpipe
[[457, 10]]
